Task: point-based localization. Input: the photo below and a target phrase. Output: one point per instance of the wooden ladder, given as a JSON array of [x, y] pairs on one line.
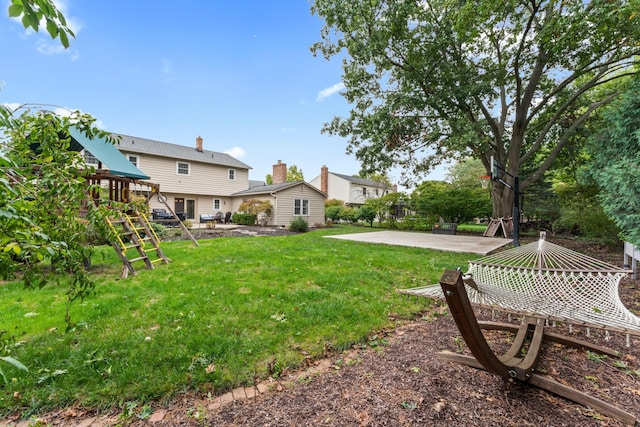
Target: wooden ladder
[[135, 232]]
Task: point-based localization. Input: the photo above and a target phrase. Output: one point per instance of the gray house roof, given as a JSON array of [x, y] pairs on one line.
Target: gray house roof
[[134, 144], [360, 181], [273, 188]]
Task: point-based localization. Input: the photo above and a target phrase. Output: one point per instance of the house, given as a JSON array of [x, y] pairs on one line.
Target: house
[[197, 182], [193, 180], [353, 191], [290, 200]]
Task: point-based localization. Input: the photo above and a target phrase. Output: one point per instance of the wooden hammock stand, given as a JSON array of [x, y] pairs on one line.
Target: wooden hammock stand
[[513, 365]]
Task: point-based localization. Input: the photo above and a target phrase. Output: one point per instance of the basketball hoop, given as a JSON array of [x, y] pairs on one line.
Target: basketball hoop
[[484, 181]]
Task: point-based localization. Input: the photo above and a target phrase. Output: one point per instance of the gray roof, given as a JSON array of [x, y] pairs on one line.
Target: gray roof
[[273, 188], [134, 144], [361, 181]]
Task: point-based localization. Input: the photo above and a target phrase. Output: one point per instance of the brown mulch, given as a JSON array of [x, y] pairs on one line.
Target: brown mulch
[[403, 383]]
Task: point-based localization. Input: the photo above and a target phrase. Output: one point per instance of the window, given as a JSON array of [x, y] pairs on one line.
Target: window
[[216, 204], [133, 159], [90, 159], [232, 174], [376, 191], [364, 191], [301, 207], [182, 168]]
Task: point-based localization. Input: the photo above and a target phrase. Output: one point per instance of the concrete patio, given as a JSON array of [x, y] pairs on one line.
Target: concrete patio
[[441, 242]]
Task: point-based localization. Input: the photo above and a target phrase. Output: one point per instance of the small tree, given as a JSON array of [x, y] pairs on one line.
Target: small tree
[[334, 213], [367, 214], [42, 191], [256, 207]]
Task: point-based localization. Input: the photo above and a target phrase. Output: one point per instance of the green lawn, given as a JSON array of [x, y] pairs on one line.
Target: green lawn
[[219, 316]]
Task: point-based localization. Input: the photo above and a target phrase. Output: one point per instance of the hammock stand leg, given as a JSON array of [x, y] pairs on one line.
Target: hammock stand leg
[[510, 365]]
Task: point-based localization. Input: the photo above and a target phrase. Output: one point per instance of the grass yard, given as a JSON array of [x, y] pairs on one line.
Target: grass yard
[[225, 314]]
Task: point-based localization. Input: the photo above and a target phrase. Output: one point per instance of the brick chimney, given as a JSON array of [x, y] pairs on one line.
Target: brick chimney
[[199, 144], [279, 172], [324, 180]]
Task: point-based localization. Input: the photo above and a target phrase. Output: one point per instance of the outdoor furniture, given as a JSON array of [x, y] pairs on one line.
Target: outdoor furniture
[[227, 218], [543, 283], [444, 228], [218, 217]]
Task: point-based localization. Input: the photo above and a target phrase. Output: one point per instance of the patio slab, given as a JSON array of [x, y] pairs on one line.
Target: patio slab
[[441, 242]]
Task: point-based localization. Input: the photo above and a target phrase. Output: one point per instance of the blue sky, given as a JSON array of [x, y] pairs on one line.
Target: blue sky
[[238, 73]]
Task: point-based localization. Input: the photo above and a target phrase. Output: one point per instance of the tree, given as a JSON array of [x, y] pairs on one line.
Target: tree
[[441, 79], [382, 206], [466, 173], [42, 191], [615, 163], [293, 174], [367, 214], [32, 12], [437, 198]]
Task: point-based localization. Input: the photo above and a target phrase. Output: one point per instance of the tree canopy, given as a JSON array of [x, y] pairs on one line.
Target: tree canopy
[[293, 175], [615, 163], [442, 79]]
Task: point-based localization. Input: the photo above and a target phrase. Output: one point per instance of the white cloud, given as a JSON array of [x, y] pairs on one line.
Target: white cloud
[[236, 152], [49, 48], [325, 93]]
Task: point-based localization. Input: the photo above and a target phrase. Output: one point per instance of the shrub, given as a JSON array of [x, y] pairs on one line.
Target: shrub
[[299, 225], [159, 229], [244, 219], [334, 213], [367, 214], [187, 223]]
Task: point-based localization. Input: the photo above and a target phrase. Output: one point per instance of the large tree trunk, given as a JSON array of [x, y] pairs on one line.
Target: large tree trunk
[[502, 198]]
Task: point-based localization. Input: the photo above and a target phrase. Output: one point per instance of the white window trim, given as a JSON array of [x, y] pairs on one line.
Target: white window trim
[[178, 168], [235, 174], [219, 204], [302, 207], [137, 163]]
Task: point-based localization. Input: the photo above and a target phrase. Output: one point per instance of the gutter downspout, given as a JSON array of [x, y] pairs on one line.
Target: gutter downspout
[[275, 208]]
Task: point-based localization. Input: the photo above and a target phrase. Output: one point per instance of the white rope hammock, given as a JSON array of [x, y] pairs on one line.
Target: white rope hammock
[[547, 281]]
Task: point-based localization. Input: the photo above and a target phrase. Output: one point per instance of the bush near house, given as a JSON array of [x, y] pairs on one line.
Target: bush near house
[[299, 225], [244, 219]]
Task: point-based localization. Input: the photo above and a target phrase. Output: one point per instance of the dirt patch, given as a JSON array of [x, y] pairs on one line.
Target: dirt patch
[[401, 382]]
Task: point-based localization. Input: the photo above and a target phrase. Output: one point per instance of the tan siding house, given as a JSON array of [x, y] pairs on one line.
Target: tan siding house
[[290, 200], [193, 180]]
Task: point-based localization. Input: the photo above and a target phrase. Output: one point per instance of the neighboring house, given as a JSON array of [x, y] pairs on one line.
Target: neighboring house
[[194, 181], [290, 200], [353, 191]]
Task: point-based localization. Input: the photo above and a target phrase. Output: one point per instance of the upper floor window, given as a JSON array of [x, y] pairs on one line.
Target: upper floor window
[[216, 204], [90, 159], [301, 207], [364, 191], [376, 191], [133, 159], [232, 174], [182, 168]]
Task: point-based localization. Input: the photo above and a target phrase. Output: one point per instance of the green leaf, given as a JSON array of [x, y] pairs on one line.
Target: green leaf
[[52, 28], [64, 39], [13, 362], [15, 10]]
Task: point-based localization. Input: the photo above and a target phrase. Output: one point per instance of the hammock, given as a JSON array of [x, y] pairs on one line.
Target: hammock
[[547, 281]]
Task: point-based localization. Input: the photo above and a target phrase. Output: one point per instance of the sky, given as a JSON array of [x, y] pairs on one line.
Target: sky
[[239, 73]]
